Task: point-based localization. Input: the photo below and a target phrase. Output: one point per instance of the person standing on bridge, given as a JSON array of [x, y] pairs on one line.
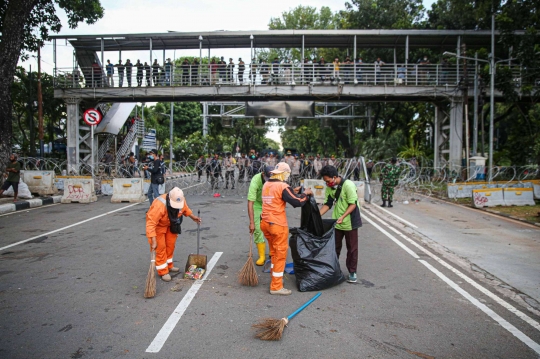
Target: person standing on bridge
[[140, 68], [110, 74], [342, 193], [148, 71], [129, 69], [275, 195], [241, 69], [155, 72], [389, 178], [121, 69], [158, 229]]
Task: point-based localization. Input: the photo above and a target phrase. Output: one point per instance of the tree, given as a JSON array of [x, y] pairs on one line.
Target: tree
[[24, 122], [24, 25], [304, 18]]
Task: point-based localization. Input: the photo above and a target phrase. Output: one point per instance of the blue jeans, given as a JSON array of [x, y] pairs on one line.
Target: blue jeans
[[153, 192]]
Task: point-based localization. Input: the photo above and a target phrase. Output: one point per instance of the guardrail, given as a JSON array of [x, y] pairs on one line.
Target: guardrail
[[278, 74]]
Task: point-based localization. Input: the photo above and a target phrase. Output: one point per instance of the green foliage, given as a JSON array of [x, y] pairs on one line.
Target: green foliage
[[44, 19], [383, 14], [25, 115], [304, 18], [381, 147]]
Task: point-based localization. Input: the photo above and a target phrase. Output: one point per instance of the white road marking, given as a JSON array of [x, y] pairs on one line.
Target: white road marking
[[496, 317], [395, 215], [396, 241], [66, 227], [497, 299], [29, 209], [174, 318]]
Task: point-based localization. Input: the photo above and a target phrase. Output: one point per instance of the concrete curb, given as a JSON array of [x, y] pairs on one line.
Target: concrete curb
[[29, 203], [497, 213]]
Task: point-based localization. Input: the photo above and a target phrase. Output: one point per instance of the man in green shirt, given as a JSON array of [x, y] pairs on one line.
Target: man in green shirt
[[342, 193], [255, 210], [14, 176]]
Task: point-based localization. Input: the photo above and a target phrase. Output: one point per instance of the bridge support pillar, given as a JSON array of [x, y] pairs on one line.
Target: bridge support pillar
[[438, 138], [72, 125], [456, 133]]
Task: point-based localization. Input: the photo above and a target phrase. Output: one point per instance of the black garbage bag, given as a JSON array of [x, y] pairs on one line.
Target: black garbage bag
[[310, 219], [316, 265]]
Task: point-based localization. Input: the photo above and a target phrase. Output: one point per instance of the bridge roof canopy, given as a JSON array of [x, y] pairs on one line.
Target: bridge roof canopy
[[438, 39]]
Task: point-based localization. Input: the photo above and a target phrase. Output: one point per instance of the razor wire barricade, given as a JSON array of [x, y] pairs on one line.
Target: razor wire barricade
[[414, 178]]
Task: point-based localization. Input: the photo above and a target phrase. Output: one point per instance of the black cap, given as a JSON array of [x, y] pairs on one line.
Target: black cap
[[267, 170]]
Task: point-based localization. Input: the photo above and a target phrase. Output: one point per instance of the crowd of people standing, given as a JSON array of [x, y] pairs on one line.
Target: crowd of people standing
[[188, 72]]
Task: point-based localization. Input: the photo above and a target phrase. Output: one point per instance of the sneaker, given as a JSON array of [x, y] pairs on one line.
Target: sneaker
[[282, 291], [174, 269], [352, 278], [166, 277]]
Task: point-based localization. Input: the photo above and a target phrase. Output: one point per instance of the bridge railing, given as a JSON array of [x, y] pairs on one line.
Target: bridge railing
[[262, 74]]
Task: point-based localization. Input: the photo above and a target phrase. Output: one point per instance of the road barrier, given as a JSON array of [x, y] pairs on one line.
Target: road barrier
[[128, 190], [40, 182], [360, 189], [318, 187], [536, 188], [489, 197], [79, 190], [59, 180], [519, 197]]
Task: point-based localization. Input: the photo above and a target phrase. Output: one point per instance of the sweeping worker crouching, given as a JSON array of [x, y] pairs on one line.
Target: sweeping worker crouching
[[158, 228], [275, 195]]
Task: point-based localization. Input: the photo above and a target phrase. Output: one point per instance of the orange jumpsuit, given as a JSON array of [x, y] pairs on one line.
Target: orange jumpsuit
[[158, 225], [275, 195]]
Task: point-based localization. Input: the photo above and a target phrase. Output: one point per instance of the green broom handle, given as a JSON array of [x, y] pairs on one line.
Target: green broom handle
[[304, 306]]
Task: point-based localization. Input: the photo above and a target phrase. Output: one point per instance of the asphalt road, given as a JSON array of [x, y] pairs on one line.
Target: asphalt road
[[78, 293]]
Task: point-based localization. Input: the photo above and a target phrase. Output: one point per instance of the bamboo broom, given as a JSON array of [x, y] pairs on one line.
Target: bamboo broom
[[248, 274], [150, 290], [272, 329]]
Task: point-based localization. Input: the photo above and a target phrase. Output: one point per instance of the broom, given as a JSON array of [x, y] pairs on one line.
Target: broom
[[248, 275], [150, 290], [272, 329]]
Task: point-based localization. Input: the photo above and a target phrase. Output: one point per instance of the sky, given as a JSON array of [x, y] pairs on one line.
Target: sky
[[143, 16]]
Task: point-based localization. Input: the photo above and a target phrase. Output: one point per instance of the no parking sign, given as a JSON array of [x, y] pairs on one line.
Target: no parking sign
[[92, 117]]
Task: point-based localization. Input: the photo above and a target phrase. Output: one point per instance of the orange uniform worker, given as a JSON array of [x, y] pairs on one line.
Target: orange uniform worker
[[158, 230], [275, 195]]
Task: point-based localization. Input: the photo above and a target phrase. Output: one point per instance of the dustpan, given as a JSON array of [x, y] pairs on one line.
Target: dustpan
[[199, 260]]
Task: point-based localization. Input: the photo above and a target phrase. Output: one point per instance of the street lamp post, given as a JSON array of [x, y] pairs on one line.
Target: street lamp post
[[171, 155]]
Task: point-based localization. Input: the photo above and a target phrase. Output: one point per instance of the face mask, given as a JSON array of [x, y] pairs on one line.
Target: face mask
[[332, 184], [151, 158]]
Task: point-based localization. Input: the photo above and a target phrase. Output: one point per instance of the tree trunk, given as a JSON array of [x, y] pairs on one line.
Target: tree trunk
[[15, 18]]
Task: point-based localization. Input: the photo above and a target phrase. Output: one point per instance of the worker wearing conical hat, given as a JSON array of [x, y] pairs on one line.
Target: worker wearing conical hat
[[158, 230], [275, 195]]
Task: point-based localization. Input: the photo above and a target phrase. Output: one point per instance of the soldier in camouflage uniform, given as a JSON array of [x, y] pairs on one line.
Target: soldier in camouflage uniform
[[389, 179]]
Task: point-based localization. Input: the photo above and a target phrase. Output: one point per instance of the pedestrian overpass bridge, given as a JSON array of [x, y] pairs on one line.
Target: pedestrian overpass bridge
[[398, 79]]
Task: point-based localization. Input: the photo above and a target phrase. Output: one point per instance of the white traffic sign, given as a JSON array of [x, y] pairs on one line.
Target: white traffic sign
[[92, 117]]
